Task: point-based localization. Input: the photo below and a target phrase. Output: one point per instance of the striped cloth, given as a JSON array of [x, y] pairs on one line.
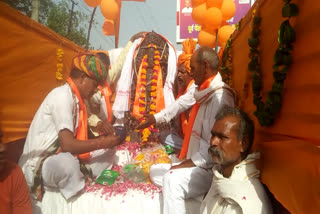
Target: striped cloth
[[92, 65]]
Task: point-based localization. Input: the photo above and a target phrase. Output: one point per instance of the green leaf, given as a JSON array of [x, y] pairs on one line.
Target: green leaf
[[290, 10], [289, 35], [287, 59], [277, 58], [255, 33], [253, 42], [256, 20], [286, 10]]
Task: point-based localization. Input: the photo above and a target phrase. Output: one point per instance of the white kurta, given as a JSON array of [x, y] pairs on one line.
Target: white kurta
[[241, 193], [54, 114], [183, 103], [193, 182]]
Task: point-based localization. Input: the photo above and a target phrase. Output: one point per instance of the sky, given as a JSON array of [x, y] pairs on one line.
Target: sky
[[156, 15]]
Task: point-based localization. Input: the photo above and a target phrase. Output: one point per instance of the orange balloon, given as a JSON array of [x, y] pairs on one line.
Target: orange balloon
[[198, 13], [224, 33], [109, 9], [228, 9], [214, 3], [92, 3], [209, 29], [206, 39], [196, 3], [212, 18], [108, 27]]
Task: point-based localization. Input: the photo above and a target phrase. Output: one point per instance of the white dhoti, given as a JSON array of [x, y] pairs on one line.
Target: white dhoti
[[61, 172], [180, 184]]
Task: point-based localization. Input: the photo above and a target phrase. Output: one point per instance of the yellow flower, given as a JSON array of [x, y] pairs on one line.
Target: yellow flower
[[127, 138], [152, 107]]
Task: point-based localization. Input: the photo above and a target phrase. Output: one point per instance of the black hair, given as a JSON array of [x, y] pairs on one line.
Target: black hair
[[104, 58], [75, 73], [209, 55], [245, 127]]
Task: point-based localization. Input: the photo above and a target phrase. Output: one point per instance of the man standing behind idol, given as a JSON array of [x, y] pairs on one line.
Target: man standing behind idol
[[192, 176], [57, 142]]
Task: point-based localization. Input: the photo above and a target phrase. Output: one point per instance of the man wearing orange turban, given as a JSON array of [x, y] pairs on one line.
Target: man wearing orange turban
[[185, 100], [57, 138]]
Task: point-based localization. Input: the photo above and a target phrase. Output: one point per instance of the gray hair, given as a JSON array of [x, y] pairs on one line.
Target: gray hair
[[209, 55], [245, 127]]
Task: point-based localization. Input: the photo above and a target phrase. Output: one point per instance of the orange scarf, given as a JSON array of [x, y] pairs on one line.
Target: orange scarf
[[183, 116], [192, 117], [82, 130], [106, 96]]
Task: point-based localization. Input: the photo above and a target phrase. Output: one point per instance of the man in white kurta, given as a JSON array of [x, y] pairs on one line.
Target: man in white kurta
[[50, 152], [241, 193], [236, 187], [191, 178]]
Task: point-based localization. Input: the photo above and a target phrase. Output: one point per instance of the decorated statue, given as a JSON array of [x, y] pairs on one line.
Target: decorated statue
[[145, 85]]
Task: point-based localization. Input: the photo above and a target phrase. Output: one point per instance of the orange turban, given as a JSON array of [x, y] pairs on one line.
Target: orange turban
[[188, 47]]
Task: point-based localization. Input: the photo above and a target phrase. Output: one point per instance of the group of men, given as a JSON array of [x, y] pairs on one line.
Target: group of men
[[213, 142]]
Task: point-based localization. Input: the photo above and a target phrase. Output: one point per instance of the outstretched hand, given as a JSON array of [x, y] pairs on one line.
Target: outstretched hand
[[149, 120]]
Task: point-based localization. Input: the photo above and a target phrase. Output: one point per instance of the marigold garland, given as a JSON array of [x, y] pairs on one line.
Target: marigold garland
[[226, 63], [153, 93], [266, 112], [59, 55]]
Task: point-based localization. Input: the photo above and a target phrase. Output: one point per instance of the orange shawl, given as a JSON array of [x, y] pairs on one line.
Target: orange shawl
[[82, 130], [183, 116], [192, 117]]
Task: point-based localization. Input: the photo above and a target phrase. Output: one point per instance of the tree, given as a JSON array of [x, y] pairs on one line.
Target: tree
[[56, 17]]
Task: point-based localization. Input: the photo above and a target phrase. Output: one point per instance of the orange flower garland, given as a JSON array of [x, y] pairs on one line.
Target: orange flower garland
[[153, 93]]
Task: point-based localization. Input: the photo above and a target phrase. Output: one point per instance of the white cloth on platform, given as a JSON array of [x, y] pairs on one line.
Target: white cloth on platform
[[241, 193], [54, 114], [121, 103], [177, 187]]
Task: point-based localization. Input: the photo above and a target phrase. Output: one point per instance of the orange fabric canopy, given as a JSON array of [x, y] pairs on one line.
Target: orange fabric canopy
[[291, 147], [28, 65]]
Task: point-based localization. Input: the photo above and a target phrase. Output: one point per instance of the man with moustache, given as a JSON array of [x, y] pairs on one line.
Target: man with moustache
[[236, 187], [181, 107]]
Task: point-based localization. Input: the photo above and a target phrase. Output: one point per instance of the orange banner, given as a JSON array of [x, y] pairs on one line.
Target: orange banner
[[28, 66], [290, 148]]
